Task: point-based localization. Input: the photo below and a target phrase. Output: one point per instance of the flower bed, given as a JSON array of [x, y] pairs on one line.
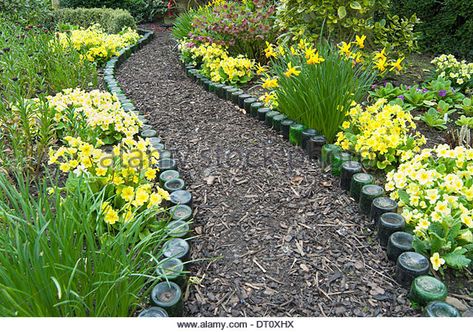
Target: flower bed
[[375, 125], [130, 230]]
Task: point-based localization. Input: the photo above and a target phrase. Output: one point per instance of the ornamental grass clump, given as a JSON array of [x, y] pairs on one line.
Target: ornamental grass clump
[[95, 45], [381, 134], [314, 86], [435, 191], [56, 262]]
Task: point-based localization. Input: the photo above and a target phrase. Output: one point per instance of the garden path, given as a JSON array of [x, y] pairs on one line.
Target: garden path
[[275, 235]]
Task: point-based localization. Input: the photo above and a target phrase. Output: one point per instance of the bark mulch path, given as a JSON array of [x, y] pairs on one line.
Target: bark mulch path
[[275, 235]]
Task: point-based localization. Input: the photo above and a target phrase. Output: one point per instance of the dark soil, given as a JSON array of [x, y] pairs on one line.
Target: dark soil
[[275, 236]]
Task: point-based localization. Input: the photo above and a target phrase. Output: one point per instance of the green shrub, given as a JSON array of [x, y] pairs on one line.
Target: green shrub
[[111, 20], [26, 12], [446, 25], [339, 20], [142, 10]]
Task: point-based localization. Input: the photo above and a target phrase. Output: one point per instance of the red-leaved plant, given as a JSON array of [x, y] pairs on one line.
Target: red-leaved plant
[[243, 27]]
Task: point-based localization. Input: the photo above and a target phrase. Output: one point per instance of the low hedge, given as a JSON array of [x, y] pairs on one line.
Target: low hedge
[[111, 20], [141, 10], [446, 27]]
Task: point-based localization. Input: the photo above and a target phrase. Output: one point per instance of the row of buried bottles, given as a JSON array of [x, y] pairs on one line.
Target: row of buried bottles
[[166, 296], [412, 269]]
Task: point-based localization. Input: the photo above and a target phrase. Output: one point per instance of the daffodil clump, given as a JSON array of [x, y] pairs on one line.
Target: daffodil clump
[[95, 45], [128, 173], [95, 116], [313, 84], [217, 64], [381, 134], [435, 189], [460, 73]]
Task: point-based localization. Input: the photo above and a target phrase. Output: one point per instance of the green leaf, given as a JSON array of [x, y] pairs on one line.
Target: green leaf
[[355, 5], [457, 259], [342, 12], [404, 196], [420, 246]]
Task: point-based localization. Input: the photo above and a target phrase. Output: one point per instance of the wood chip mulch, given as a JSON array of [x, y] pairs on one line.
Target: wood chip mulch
[[274, 235]]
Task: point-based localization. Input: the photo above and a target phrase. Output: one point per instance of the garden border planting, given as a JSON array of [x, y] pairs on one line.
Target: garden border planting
[[412, 269], [166, 296]]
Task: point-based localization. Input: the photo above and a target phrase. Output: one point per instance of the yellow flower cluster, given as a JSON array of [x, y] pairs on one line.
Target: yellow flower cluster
[[438, 183], [128, 170], [355, 51], [218, 65], [380, 134], [304, 48], [435, 188], [460, 72], [306, 51], [98, 113], [96, 45]]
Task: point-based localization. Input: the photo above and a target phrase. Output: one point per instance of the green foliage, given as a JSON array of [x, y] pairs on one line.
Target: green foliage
[[437, 94], [33, 64], [446, 26], [396, 33], [142, 10], [340, 20], [466, 106], [434, 119], [321, 95], [111, 20], [183, 25], [465, 121], [52, 262], [26, 12]]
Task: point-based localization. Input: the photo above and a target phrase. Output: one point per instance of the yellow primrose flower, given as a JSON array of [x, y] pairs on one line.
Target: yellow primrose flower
[[150, 174], [154, 200], [141, 197], [111, 216], [436, 261], [128, 193]]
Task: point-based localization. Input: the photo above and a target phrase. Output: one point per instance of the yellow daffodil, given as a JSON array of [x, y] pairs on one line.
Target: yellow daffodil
[[360, 41], [270, 83], [291, 70], [315, 59], [396, 65], [345, 49]]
